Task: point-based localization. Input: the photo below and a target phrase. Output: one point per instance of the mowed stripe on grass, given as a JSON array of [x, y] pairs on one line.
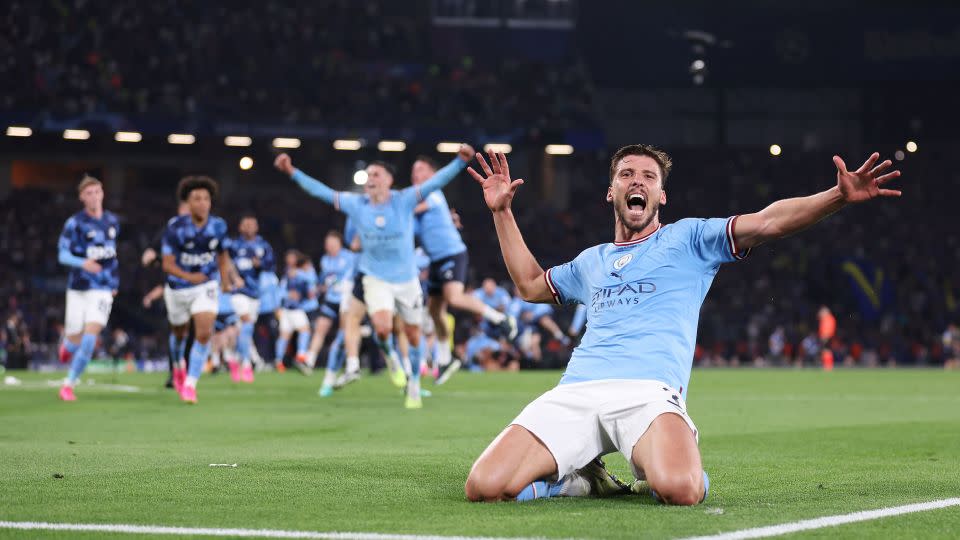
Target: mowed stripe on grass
[[359, 462]]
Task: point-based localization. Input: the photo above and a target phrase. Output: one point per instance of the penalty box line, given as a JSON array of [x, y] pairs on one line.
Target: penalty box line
[[830, 521], [120, 528]]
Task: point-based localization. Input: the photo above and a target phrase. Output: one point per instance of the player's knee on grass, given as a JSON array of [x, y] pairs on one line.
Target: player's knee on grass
[[682, 488], [485, 484]]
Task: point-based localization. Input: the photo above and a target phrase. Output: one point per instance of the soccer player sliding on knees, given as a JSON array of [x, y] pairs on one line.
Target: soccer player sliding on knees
[[625, 386]]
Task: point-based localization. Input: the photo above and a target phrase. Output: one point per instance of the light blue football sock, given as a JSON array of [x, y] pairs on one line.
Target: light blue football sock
[[198, 357], [70, 346], [539, 490], [82, 356], [280, 349], [416, 357], [245, 341], [334, 358], [303, 341]]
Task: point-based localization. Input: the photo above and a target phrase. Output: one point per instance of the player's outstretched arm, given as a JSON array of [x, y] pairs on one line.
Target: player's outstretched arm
[[446, 174], [788, 216], [311, 185], [498, 192]]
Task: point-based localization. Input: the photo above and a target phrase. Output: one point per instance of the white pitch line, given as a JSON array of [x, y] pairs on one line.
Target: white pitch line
[[120, 528], [829, 521]]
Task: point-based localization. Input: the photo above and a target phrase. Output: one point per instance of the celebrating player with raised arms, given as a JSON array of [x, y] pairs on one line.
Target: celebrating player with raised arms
[[448, 265], [251, 255], [624, 387], [384, 219], [88, 245], [193, 252]]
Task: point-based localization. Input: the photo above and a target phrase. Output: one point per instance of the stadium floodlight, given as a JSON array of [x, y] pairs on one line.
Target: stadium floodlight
[[911, 146], [498, 147], [899, 155], [448, 147], [181, 138], [76, 134], [127, 136], [19, 131], [391, 146], [237, 140], [246, 163], [286, 142], [360, 177], [559, 149], [347, 144], [775, 150]]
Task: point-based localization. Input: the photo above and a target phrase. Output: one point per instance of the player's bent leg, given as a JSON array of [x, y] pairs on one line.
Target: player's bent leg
[[668, 456], [437, 307], [514, 460], [203, 332]]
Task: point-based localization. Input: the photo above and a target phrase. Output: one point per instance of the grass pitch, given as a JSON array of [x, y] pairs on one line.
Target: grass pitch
[[780, 446]]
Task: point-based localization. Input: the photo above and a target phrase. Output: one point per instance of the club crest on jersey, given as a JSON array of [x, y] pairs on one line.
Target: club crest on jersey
[[188, 245], [213, 243], [622, 261], [91, 234], [259, 252], [112, 232], [380, 221]]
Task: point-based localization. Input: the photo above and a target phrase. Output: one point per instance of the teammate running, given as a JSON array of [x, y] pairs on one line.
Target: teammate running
[[448, 266], [193, 252], [252, 256], [299, 284], [88, 245], [384, 218], [336, 269], [625, 385]]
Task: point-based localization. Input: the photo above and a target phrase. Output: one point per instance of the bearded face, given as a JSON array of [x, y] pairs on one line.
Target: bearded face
[[636, 192]]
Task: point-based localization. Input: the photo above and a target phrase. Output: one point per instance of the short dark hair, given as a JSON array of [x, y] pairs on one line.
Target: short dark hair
[[661, 157], [428, 160], [390, 168], [190, 183], [300, 257], [335, 233]]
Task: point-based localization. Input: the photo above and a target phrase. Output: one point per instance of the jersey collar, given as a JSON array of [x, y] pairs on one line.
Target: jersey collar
[[637, 241]]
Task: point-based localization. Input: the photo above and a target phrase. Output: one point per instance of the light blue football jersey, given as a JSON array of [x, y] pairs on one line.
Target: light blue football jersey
[[436, 231], [334, 270], [499, 300], [386, 229], [643, 300]]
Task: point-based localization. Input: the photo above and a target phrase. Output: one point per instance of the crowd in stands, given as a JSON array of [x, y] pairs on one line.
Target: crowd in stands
[[343, 63], [887, 270]]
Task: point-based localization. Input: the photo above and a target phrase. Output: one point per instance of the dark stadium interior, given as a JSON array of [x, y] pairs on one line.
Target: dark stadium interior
[[713, 88]]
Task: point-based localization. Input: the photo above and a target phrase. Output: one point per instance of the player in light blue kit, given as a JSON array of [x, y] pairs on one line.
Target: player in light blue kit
[[299, 284], [194, 250], [336, 272], [449, 262], [384, 218], [252, 256], [625, 385], [88, 245]]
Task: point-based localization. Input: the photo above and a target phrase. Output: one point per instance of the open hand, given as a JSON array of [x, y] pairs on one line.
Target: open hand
[[498, 189], [866, 182]]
